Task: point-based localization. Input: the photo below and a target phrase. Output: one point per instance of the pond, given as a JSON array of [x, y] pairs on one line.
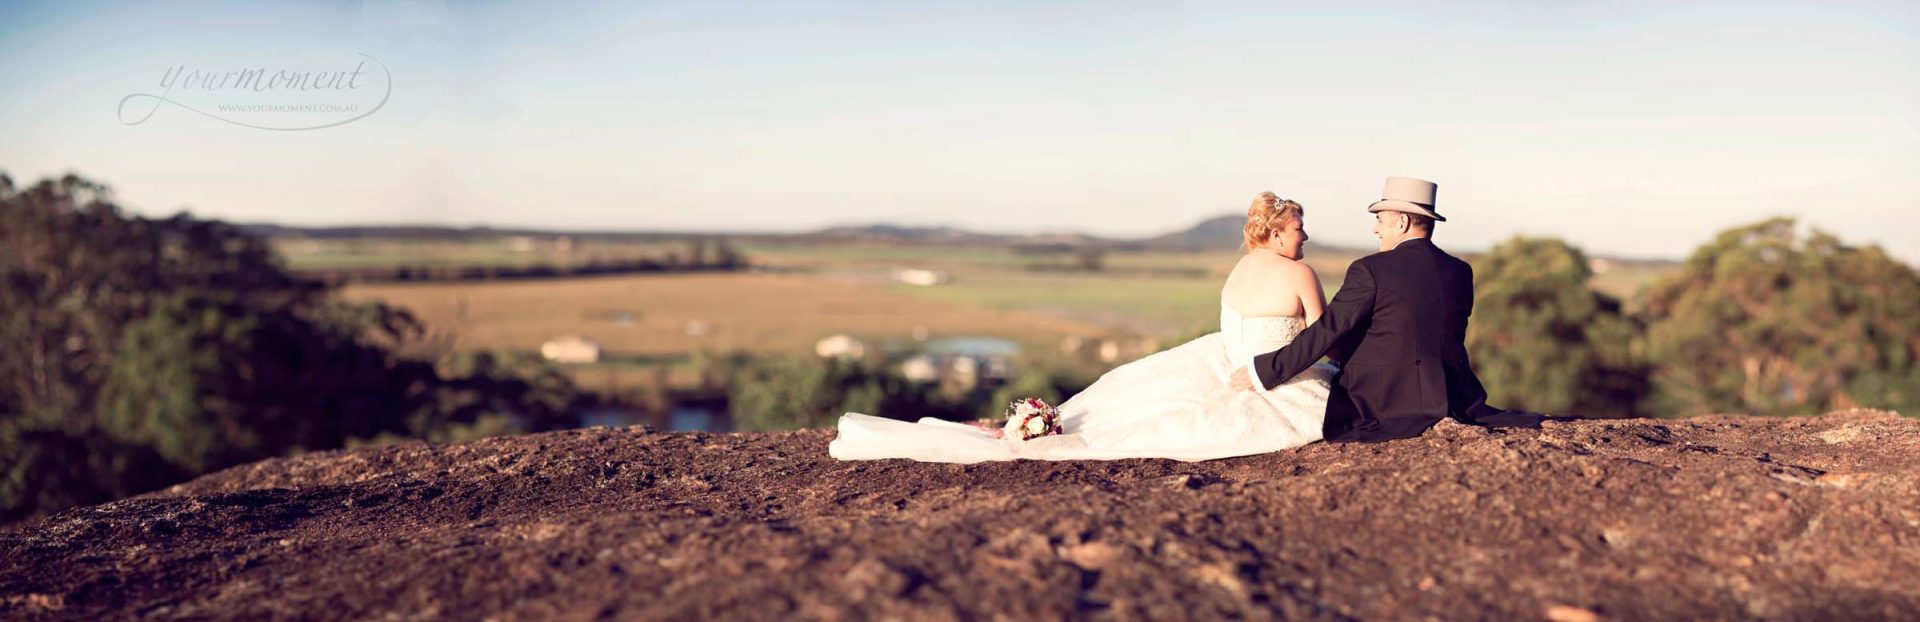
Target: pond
[[975, 346]]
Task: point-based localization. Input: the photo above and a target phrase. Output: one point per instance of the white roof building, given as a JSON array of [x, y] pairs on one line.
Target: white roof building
[[923, 278], [571, 349], [840, 346]]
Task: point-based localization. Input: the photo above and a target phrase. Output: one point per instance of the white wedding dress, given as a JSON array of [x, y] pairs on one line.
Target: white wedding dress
[[1173, 404]]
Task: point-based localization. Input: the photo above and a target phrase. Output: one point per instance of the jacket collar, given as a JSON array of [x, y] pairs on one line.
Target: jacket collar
[[1412, 242]]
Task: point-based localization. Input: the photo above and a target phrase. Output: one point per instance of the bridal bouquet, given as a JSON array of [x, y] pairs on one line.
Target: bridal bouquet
[[1031, 418]]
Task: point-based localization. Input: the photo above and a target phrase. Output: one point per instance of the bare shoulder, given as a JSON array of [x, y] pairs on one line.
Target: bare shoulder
[[1269, 270], [1294, 271], [1304, 270], [1255, 267], [1261, 260], [1266, 284]]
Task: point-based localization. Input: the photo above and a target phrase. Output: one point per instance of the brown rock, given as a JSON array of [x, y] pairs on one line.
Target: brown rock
[[1711, 518], [1092, 555], [1569, 613]]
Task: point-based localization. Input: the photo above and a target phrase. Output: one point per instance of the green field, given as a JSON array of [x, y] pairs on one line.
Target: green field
[[1155, 293]]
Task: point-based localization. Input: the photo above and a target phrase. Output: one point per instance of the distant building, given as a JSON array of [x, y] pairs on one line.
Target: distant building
[[965, 361], [965, 371], [840, 347], [922, 368], [571, 349], [923, 278]]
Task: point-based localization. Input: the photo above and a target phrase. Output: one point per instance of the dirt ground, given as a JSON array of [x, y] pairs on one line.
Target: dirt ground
[[1709, 518]]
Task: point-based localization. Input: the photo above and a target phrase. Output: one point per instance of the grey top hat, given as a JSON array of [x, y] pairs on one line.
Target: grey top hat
[[1406, 194]]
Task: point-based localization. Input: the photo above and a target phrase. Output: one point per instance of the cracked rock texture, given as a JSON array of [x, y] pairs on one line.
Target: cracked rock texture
[[1709, 518]]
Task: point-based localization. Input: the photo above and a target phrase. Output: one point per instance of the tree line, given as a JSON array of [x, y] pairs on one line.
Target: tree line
[[703, 255], [1763, 320]]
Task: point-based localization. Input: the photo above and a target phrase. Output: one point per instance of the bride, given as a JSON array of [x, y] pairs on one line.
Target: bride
[[1174, 404]]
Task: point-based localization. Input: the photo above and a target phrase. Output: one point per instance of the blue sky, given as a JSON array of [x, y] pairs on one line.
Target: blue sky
[[1629, 128]]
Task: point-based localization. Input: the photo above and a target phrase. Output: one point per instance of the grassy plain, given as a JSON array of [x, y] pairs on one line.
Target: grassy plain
[[645, 320], [651, 314], [809, 291], [1154, 293]]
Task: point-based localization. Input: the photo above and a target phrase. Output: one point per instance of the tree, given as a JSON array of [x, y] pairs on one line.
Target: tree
[[76, 272], [1542, 340], [210, 383], [49, 467], [1089, 259], [786, 393], [1764, 320], [139, 352]]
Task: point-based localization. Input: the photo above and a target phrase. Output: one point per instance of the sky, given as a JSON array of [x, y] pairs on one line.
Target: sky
[[1635, 129]]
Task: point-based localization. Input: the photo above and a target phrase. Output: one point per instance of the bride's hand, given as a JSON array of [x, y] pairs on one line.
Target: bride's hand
[[1239, 381]]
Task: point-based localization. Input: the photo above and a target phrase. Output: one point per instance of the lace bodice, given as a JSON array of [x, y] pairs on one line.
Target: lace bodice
[[1246, 337]]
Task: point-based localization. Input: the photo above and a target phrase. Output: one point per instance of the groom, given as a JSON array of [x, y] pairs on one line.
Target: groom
[[1397, 329]]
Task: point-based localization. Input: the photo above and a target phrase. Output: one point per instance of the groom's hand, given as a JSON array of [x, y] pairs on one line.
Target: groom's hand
[[1240, 381]]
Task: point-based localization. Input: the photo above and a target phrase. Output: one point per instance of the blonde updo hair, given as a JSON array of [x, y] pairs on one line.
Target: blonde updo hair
[[1266, 216]]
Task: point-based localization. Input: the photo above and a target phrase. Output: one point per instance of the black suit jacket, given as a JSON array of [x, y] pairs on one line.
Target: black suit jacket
[[1398, 329]]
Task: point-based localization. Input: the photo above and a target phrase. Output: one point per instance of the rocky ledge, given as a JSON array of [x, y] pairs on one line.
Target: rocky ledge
[[1709, 518]]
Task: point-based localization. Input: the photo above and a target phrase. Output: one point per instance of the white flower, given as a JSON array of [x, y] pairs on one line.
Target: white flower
[[1027, 418]]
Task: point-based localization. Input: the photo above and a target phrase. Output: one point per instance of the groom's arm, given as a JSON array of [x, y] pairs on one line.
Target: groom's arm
[[1466, 396], [1352, 305]]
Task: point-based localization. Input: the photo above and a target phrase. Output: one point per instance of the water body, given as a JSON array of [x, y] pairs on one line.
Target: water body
[[975, 346], [696, 419]]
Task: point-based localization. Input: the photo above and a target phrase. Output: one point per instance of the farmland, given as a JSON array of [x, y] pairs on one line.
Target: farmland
[[802, 291], [671, 314]]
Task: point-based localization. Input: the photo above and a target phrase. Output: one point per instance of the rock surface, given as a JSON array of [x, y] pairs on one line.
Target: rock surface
[[1710, 518]]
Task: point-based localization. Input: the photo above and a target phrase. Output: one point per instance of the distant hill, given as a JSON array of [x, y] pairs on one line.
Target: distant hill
[[1221, 232], [903, 233], [884, 232], [456, 234], [877, 232], [1225, 232]]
